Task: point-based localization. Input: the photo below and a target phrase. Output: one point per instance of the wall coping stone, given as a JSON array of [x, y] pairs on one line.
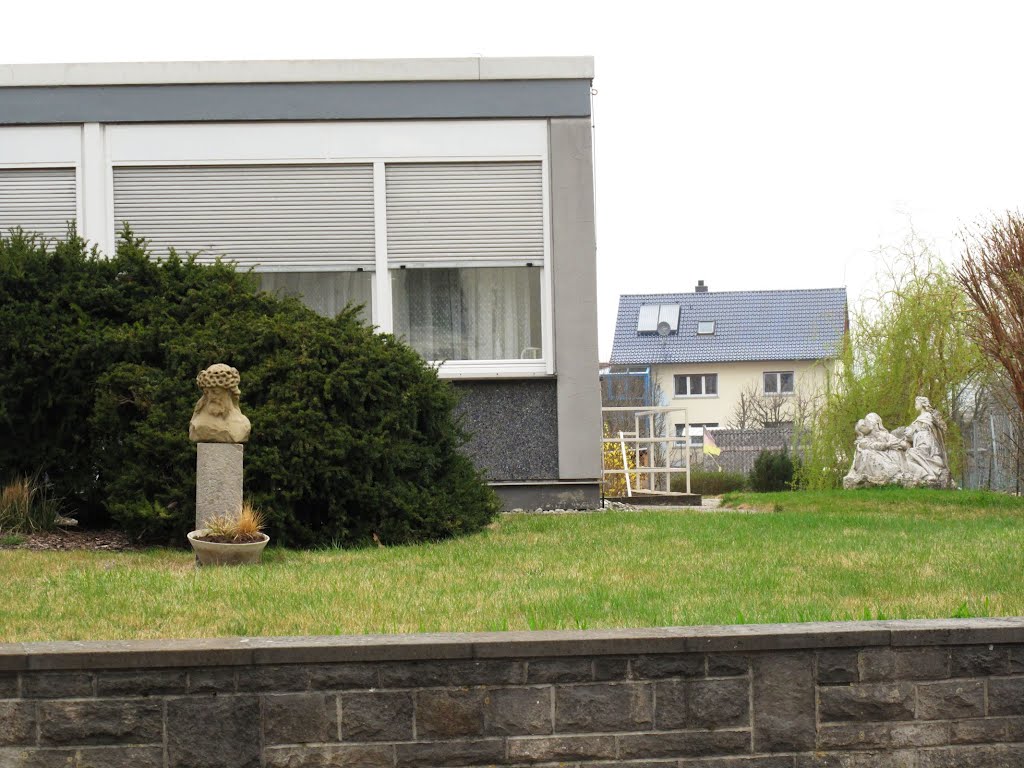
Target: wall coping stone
[[241, 651]]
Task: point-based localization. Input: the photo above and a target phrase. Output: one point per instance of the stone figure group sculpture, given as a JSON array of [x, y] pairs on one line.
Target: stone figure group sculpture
[[912, 456]]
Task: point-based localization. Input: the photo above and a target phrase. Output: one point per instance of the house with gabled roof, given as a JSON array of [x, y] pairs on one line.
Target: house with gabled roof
[[707, 350]]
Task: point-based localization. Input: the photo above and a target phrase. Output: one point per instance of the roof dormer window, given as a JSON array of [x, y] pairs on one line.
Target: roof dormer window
[[658, 318], [705, 327]]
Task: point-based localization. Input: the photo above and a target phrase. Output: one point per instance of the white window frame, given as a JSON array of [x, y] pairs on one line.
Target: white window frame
[[51, 146], [696, 439], [778, 382], [704, 385], [379, 143]]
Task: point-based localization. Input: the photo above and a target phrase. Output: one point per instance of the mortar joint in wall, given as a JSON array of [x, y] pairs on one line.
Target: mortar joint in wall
[[552, 697], [750, 700], [415, 717], [654, 704], [263, 725], [815, 669], [163, 722], [339, 714]]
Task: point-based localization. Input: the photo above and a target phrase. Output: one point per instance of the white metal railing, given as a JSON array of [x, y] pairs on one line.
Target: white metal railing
[[647, 441]]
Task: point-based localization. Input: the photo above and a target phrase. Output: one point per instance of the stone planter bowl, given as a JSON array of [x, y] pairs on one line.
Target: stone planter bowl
[[215, 553]]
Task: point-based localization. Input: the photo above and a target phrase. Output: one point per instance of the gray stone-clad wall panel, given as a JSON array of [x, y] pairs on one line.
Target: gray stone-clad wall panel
[[17, 723], [81, 722], [213, 732], [783, 702], [295, 718], [8, 685], [514, 427]]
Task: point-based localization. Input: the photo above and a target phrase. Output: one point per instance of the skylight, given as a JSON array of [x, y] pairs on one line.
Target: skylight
[[705, 327], [658, 318]]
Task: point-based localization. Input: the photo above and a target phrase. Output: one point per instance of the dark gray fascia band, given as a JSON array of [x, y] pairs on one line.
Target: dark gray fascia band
[[294, 101]]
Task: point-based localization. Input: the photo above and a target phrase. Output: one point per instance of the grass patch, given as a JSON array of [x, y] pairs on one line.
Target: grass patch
[[870, 554]]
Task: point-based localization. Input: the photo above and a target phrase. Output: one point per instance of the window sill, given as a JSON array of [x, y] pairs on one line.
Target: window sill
[[491, 369], [695, 397]]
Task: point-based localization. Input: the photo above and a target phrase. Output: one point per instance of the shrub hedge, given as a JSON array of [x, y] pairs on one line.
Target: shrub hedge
[[710, 482], [354, 437], [773, 471]]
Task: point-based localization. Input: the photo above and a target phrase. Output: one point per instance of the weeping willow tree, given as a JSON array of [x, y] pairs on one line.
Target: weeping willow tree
[[909, 337]]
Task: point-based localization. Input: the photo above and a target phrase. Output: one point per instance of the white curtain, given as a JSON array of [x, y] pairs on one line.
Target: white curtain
[[474, 313], [326, 293]]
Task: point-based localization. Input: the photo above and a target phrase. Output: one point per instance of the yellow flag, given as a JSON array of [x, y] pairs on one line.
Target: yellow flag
[[710, 446]]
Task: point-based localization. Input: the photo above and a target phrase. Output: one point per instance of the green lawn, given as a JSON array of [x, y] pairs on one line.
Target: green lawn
[[809, 557]]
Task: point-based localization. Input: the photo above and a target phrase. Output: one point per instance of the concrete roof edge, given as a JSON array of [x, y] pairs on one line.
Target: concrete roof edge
[[298, 71]]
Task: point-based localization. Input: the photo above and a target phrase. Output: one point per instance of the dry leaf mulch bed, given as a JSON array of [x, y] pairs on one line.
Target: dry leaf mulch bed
[[102, 541]]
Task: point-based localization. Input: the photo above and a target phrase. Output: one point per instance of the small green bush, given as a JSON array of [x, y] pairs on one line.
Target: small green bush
[[710, 483], [354, 437], [773, 471]]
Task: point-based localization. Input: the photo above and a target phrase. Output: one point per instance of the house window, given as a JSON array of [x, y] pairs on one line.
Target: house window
[[706, 328], [778, 382], [696, 434], [465, 253], [481, 313], [697, 384], [326, 293]]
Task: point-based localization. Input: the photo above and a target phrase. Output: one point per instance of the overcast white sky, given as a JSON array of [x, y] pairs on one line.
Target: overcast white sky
[[749, 144]]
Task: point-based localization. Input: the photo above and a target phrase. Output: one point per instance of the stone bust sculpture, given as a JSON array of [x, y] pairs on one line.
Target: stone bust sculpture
[[217, 417]]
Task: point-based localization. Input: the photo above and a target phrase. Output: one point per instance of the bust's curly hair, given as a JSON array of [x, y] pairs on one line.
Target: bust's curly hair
[[220, 375]]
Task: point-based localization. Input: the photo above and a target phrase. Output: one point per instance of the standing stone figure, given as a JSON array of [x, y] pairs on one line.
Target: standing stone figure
[[217, 417]]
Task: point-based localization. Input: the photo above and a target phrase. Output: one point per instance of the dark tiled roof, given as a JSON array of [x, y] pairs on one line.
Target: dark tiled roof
[[749, 325]]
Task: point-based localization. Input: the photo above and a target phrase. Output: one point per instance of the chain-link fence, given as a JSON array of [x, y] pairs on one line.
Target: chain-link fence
[[994, 458], [739, 448]]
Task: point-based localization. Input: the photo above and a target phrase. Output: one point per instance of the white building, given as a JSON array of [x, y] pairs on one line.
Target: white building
[[452, 197]]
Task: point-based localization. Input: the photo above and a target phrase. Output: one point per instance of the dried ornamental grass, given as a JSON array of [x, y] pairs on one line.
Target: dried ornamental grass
[[246, 528], [27, 505], [16, 504]]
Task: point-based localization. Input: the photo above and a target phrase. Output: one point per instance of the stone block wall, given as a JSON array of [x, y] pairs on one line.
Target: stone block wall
[[851, 695]]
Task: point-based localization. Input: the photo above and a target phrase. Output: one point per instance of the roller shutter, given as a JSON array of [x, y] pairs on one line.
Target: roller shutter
[[441, 212], [37, 199], [284, 216]]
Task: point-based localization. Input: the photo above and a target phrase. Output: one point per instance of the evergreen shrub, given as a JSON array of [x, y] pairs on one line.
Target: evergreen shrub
[[354, 437], [773, 471]]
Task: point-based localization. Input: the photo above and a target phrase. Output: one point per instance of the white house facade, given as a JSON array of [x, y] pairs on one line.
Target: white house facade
[[704, 352], [453, 198]]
